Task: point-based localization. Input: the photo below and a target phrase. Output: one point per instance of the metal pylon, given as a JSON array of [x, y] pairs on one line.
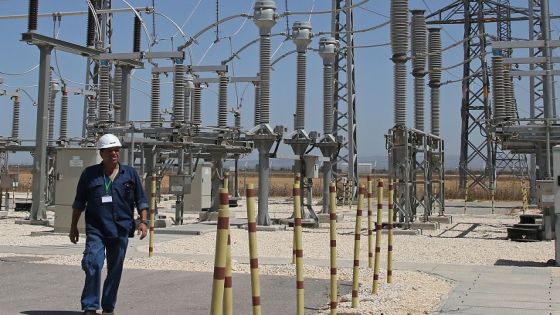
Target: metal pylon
[[344, 92]]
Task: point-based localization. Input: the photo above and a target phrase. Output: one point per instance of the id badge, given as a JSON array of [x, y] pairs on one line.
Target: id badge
[[106, 199]]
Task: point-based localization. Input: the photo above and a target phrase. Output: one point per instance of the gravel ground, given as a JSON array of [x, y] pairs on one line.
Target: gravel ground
[[411, 291]]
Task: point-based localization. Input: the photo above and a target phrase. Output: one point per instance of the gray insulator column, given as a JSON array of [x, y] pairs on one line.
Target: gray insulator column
[[104, 89], [91, 115], [51, 108], [178, 94], [15, 118], [33, 15], [257, 103], [434, 65], [498, 92], [197, 114], [509, 112], [155, 102], [117, 94], [399, 47], [63, 116], [189, 88], [419, 52], [222, 96], [328, 117], [265, 79], [300, 91]]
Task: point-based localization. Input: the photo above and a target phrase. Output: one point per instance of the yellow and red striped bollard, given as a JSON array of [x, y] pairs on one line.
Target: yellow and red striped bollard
[[370, 220], [226, 182], [378, 228], [299, 250], [220, 258], [152, 216], [332, 214], [390, 233], [251, 194], [357, 236], [296, 181], [228, 280]]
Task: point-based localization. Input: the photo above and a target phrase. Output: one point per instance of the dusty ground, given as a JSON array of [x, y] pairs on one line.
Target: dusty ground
[[411, 292]]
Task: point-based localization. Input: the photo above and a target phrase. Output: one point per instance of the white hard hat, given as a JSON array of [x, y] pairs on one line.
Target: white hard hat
[[108, 141]]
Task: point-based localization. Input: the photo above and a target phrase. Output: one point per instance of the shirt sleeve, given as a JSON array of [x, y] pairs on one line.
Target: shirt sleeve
[[141, 201], [81, 193]]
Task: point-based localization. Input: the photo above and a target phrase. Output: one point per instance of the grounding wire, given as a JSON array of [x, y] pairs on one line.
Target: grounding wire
[[94, 15], [193, 11], [205, 53], [20, 73], [374, 12], [179, 30], [141, 21], [311, 12], [324, 12]]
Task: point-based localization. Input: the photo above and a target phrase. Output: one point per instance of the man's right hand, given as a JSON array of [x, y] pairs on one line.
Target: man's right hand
[[74, 234]]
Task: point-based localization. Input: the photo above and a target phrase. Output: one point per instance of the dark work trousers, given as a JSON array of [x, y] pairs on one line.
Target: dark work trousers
[[97, 248]]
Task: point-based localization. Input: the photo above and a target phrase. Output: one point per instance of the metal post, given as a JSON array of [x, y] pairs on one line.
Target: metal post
[[38, 208], [548, 86]]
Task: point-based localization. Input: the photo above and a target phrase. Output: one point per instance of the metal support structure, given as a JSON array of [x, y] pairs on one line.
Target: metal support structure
[[342, 28]]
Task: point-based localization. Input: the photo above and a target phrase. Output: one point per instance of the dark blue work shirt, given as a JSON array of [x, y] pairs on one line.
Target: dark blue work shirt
[[110, 219]]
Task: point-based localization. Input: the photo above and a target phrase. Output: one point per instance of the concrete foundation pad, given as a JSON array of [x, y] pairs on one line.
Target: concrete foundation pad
[[163, 223], [304, 222], [423, 225], [3, 214], [207, 216], [326, 218], [188, 229], [402, 232], [442, 219], [47, 222]]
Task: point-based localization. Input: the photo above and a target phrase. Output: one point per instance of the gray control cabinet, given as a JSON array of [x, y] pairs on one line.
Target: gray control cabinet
[[70, 163], [200, 197]]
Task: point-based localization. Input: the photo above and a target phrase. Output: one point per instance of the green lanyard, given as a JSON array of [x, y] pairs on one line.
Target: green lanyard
[[107, 184]]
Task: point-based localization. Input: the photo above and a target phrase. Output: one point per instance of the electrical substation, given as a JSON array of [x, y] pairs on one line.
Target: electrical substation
[[502, 105]]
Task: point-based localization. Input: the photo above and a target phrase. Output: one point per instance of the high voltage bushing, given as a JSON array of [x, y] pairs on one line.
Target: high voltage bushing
[[33, 15], [265, 18], [104, 92], [15, 118], [155, 101], [498, 89], [434, 65], [508, 94], [90, 29], [189, 88], [137, 34], [63, 136], [301, 35], [91, 115], [178, 93], [222, 102], [399, 47], [117, 93], [419, 50], [328, 47], [197, 114]]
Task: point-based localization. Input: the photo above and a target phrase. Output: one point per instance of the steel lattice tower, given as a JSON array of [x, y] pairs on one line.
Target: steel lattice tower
[[344, 91]]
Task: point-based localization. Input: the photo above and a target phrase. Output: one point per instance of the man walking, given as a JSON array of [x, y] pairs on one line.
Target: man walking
[[107, 192]]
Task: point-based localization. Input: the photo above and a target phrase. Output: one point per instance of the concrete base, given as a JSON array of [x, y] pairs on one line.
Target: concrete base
[[163, 223], [207, 216], [310, 223], [325, 218], [3, 214], [48, 222], [423, 226], [444, 219]]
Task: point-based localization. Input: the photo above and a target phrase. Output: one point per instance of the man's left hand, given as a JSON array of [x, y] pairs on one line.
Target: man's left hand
[[142, 230]]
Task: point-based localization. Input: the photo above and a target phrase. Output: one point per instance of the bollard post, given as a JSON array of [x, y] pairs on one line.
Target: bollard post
[[220, 258], [378, 228], [332, 211], [228, 280], [299, 250], [357, 236], [466, 196], [370, 220], [493, 199], [152, 216], [226, 181], [390, 233], [251, 194], [524, 196], [296, 181]]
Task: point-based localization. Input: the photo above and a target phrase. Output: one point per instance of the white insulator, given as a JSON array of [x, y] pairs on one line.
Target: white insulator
[[265, 79], [419, 52], [498, 92], [63, 116], [51, 108], [399, 27], [91, 115], [155, 117], [257, 103], [104, 93], [189, 88], [197, 113], [15, 118], [434, 67], [264, 15], [117, 94], [300, 91], [400, 93], [328, 113], [222, 101], [178, 94], [508, 94], [419, 85]]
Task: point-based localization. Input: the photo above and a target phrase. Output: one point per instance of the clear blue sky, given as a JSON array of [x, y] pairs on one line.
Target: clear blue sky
[[373, 68]]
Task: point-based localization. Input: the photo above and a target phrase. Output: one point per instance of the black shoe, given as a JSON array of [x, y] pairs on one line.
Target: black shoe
[[90, 312], [108, 312]]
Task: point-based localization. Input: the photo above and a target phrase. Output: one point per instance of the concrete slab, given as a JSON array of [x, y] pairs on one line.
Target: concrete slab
[[187, 229], [326, 218], [423, 226], [3, 214], [48, 222], [171, 292], [445, 219]]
